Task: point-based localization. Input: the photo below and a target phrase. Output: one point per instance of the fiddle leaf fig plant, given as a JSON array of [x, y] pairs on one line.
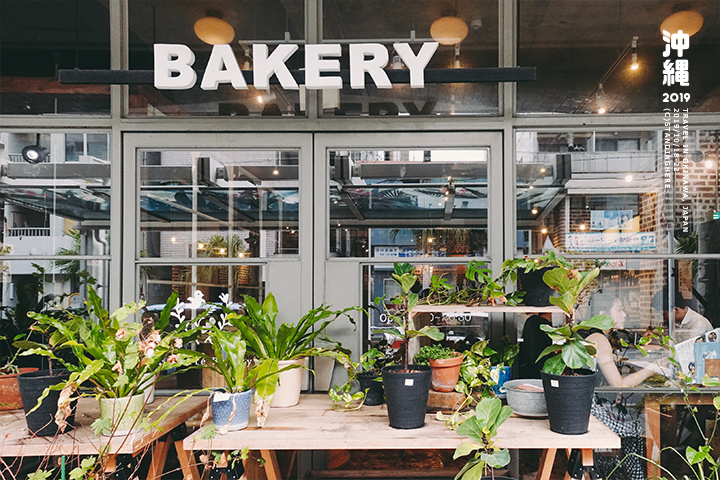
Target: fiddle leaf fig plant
[[482, 428], [403, 303], [571, 351]]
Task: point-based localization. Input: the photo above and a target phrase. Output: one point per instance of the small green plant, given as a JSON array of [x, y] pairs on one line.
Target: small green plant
[[373, 361], [433, 352], [403, 303], [481, 428], [571, 351]]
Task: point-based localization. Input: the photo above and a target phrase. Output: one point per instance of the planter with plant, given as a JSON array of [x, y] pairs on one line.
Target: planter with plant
[[445, 364], [502, 361], [369, 375], [568, 381], [482, 428], [343, 397], [290, 345], [112, 363], [527, 273], [406, 386], [10, 398]]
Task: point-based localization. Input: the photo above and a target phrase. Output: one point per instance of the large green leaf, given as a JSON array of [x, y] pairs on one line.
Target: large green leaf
[[465, 448], [566, 302], [471, 428], [575, 356], [554, 365], [601, 322], [497, 459], [487, 411]]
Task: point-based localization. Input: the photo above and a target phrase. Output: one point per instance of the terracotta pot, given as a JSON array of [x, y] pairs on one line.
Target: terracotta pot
[[10, 398], [445, 372]]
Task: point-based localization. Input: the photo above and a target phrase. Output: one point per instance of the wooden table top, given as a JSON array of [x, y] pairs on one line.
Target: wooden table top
[[313, 425], [15, 439], [458, 308]]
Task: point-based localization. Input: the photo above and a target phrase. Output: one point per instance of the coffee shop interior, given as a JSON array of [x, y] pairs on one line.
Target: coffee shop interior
[[313, 194]]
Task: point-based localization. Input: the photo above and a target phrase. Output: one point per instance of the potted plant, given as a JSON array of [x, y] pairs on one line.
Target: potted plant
[[112, 362], [369, 375], [502, 361], [10, 398], [528, 273], [342, 396], [406, 386], [481, 428], [289, 344], [445, 364], [231, 407], [567, 380]]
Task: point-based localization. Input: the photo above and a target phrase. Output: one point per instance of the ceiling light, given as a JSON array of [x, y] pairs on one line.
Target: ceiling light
[[709, 163], [582, 226], [543, 230], [448, 29], [628, 178], [602, 110], [689, 21], [276, 172], [200, 246], [534, 211], [35, 153], [634, 65], [213, 30]]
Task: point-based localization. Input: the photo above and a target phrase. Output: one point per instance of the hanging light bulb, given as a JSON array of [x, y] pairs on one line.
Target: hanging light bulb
[[213, 30], [689, 21], [634, 65], [448, 29]]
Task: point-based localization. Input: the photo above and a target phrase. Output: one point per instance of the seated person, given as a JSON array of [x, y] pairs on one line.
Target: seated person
[[688, 323], [629, 426]]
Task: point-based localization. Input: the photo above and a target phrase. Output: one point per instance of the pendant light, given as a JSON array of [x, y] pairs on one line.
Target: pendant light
[[448, 29], [689, 21], [213, 30]]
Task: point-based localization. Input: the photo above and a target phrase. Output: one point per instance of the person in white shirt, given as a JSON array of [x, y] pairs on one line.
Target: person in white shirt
[[689, 323]]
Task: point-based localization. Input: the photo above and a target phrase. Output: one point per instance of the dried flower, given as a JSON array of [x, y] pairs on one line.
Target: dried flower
[[118, 367], [262, 409], [173, 358], [121, 334], [154, 337], [149, 353], [64, 409], [178, 343]]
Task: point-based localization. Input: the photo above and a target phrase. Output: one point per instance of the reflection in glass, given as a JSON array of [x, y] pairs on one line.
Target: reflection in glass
[[582, 73], [40, 37], [219, 204], [257, 21], [614, 192], [408, 203], [157, 282]]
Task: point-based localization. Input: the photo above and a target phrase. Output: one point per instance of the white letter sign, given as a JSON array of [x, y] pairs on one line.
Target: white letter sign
[[264, 66], [215, 74], [360, 63], [177, 59], [416, 65], [316, 63]]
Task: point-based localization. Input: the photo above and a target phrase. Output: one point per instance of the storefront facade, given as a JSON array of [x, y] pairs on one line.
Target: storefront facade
[[312, 194]]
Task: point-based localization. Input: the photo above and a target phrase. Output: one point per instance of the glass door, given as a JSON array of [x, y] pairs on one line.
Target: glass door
[[430, 199]]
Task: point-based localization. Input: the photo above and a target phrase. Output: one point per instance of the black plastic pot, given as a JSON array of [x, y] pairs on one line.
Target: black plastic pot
[[41, 422], [569, 399], [537, 292], [406, 395], [373, 387]]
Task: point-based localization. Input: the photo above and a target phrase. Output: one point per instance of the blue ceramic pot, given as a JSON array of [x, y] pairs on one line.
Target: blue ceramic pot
[[230, 411], [500, 375]]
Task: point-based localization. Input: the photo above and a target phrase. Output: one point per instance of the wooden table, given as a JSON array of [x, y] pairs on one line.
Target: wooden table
[[15, 440], [313, 425]]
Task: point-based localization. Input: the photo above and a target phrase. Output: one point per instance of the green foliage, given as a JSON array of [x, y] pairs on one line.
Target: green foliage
[[109, 356], [481, 429], [433, 352], [571, 351], [402, 305], [372, 362], [86, 466], [40, 475]]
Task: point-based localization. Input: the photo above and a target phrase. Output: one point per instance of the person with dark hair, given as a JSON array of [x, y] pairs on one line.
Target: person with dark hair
[[534, 342], [688, 322]]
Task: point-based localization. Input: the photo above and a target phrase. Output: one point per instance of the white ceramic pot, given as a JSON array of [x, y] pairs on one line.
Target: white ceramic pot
[[289, 383], [124, 412]]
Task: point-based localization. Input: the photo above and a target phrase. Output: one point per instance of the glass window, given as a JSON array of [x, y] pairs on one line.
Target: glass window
[[408, 21], [251, 21], [219, 204], [578, 198], [408, 203], [40, 37], [585, 52]]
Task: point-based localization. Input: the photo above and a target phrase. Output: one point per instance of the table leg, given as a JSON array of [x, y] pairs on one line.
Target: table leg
[[189, 469], [272, 469], [159, 456], [652, 434], [546, 463]]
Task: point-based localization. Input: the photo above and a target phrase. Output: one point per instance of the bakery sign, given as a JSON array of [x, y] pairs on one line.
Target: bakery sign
[[173, 66]]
